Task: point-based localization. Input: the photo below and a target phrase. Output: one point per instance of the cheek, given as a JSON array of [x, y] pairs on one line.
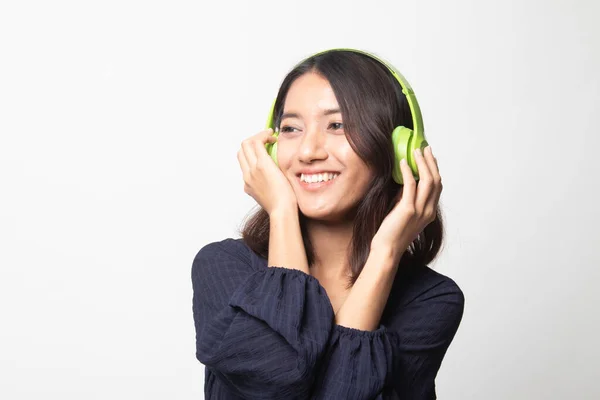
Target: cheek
[[284, 156], [360, 180], [345, 153], [360, 171]]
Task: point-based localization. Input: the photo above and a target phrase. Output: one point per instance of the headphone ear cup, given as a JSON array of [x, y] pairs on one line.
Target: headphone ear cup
[[401, 138], [405, 142]]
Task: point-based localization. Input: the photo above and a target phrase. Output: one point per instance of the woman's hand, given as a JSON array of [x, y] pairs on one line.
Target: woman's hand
[[415, 209], [263, 180]]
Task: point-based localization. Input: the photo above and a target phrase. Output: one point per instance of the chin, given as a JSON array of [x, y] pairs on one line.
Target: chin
[[329, 213]]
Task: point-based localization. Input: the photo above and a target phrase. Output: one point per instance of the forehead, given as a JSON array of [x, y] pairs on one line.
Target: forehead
[[310, 91]]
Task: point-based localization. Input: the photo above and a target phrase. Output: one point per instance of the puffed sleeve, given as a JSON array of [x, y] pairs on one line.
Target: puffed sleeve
[[399, 360], [261, 331]]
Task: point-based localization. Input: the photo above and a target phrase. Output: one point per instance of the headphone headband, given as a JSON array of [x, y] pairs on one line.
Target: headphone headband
[[407, 90]]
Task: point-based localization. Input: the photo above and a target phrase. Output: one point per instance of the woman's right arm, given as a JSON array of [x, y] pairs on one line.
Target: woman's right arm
[[262, 331], [286, 247]]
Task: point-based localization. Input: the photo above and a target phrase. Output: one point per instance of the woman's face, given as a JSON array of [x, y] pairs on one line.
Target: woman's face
[[326, 174]]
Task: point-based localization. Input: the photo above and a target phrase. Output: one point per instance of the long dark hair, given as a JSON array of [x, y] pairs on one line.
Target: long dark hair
[[372, 105]]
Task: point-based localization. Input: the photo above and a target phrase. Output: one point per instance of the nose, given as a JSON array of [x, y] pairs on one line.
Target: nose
[[312, 146]]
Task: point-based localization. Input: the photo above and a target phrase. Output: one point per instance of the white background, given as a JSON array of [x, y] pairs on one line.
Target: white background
[[120, 122]]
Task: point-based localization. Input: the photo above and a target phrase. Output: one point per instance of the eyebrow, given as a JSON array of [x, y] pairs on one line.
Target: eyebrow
[[296, 115]]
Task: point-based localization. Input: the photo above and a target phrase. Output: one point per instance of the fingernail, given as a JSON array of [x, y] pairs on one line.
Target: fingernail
[[418, 152], [403, 161]]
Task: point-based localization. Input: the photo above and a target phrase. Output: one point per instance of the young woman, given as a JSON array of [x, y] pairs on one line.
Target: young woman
[[328, 295]]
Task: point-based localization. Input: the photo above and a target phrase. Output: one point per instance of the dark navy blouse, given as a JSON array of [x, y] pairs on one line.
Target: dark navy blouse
[[269, 332]]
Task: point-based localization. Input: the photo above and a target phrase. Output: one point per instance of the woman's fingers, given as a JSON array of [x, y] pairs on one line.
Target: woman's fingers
[[430, 188], [262, 139], [250, 146], [243, 163], [425, 186], [262, 179], [437, 179], [248, 151], [265, 136], [409, 186], [433, 165]]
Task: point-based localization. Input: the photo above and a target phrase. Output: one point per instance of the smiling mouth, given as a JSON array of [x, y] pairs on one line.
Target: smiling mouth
[[319, 184]]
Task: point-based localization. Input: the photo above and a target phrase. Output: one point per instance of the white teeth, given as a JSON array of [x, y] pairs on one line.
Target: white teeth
[[323, 177]]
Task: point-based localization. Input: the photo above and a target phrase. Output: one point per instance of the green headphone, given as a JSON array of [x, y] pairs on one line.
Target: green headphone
[[404, 140]]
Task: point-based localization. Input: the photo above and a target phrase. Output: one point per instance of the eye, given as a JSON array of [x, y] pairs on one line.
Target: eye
[[286, 129], [336, 125]]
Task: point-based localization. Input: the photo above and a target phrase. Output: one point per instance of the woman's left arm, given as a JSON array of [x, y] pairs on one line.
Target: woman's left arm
[[415, 208], [365, 361], [364, 305]]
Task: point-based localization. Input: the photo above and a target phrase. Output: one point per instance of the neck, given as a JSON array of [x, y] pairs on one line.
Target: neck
[[330, 242]]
